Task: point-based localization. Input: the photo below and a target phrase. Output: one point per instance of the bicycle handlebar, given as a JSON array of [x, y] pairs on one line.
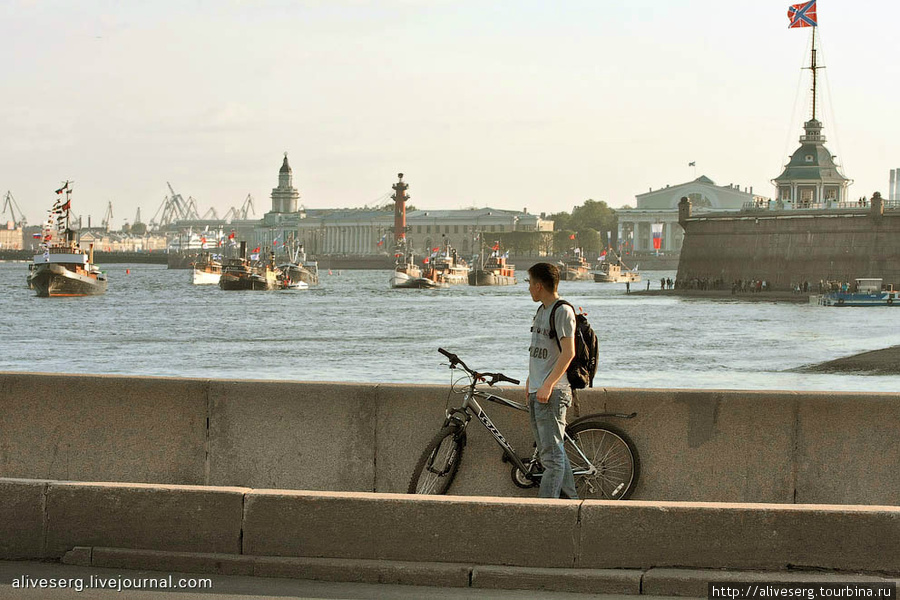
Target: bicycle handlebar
[[489, 378]]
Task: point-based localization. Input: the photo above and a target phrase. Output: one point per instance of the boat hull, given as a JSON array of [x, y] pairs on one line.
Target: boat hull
[[480, 278], [243, 282], [573, 275], [300, 273], [841, 299], [623, 278], [53, 280], [402, 281], [205, 277]]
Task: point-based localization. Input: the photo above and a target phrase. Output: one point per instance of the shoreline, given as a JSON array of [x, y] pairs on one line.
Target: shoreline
[[874, 362], [776, 296]]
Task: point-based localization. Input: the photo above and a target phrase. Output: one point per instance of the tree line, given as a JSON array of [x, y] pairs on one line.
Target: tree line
[[591, 225]]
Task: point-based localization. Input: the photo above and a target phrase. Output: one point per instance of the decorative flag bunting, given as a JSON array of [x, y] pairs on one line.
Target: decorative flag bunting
[[572, 237], [803, 15], [63, 188]]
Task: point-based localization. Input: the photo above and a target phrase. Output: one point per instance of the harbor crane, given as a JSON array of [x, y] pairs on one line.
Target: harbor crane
[[211, 214], [107, 217], [9, 203], [241, 214], [174, 208]]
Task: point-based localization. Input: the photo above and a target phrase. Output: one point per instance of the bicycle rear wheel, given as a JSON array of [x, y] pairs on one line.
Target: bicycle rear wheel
[[612, 454], [439, 462]]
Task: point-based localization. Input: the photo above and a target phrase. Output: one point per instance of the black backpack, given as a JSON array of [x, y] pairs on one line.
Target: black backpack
[[583, 367]]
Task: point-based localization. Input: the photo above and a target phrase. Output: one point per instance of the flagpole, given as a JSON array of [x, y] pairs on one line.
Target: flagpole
[[814, 69]]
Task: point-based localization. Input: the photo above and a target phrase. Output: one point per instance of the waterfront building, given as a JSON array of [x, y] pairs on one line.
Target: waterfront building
[[366, 231], [285, 197], [812, 178], [369, 231], [106, 241], [635, 231], [11, 237]]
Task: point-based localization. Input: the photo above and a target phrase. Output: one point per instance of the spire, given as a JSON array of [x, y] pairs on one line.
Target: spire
[[285, 167]]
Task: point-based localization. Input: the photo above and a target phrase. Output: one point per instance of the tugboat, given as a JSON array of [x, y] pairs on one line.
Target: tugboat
[[496, 271], [64, 269], [407, 274], [244, 274], [207, 270], [447, 268], [615, 271], [573, 266], [298, 269]]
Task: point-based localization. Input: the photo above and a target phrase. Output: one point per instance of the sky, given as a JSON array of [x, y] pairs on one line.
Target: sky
[[508, 104]]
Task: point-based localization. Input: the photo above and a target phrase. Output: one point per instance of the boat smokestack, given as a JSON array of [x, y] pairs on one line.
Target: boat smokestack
[[91, 253], [244, 249]]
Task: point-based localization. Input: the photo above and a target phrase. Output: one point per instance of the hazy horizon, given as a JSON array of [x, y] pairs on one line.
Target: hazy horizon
[[503, 104]]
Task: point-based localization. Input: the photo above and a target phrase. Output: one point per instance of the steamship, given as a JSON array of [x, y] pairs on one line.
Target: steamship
[[64, 269]]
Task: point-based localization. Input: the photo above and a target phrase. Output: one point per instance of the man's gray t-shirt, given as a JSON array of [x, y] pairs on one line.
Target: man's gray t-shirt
[[544, 352]]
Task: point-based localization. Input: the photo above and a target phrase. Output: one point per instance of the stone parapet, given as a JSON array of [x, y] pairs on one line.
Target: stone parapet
[[694, 445]]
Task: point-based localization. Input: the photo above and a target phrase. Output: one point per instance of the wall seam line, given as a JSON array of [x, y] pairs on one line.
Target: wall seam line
[[377, 390]]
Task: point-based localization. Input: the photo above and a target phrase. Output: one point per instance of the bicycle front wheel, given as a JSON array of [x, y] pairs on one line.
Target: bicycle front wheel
[[613, 456], [439, 462]]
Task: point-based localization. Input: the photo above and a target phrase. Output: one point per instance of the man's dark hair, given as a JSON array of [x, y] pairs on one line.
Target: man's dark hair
[[546, 274]]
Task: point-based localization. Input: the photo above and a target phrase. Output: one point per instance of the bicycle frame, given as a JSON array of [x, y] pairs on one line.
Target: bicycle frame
[[470, 407]]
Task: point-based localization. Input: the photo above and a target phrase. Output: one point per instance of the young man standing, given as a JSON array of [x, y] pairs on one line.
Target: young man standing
[[549, 393]]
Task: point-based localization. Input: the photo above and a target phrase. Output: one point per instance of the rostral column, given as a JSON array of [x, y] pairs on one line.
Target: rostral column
[[400, 199]]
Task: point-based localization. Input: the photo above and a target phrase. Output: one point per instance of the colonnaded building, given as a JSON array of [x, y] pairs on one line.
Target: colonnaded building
[[660, 206], [370, 231]]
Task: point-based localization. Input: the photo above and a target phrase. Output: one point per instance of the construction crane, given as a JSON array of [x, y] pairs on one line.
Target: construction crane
[[247, 205], [211, 214], [240, 214], [174, 208], [107, 217], [9, 203]]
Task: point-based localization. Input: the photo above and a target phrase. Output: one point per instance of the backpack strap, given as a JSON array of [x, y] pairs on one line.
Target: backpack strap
[[553, 335]]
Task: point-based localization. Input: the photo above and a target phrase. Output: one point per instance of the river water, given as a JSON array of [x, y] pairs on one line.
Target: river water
[[353, 327]]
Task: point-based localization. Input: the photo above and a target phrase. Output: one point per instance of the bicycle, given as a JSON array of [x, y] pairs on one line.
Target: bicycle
[[604, 460]]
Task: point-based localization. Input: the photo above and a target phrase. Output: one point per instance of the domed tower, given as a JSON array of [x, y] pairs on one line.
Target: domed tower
[[812, 176], [285, 197]]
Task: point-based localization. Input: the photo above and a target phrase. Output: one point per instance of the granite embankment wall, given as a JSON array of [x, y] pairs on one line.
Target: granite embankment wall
[[710, 446], [785, 247], [586, 545]]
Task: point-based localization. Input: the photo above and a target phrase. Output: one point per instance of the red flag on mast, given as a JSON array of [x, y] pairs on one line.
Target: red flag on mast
[[803, 15]]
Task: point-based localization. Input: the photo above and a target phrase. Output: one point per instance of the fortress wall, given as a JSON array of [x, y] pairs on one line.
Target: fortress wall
[[790, 246], [694, 445], [178, 528]]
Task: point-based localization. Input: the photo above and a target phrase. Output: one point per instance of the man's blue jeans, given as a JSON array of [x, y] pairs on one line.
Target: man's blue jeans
[[548, 422]]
